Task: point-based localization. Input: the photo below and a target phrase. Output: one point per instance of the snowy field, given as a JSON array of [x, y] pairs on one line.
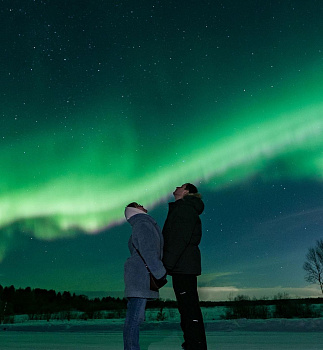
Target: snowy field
[[161, 340], [273, 334]]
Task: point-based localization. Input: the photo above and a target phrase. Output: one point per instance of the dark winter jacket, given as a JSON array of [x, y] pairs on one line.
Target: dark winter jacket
[[147, 238], [182, 233]]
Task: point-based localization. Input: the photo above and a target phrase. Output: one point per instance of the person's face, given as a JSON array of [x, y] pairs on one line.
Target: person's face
[[139, 206], [180, 192]]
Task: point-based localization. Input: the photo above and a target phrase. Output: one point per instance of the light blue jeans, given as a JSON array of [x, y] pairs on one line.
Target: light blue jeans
[[135, 316]]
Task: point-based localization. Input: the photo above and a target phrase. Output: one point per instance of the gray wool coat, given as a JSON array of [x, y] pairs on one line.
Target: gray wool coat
[[148, 239]]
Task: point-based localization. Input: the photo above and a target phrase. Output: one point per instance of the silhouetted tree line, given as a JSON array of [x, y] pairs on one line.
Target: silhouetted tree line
[[41, 301], [281, 307], [33, 302]]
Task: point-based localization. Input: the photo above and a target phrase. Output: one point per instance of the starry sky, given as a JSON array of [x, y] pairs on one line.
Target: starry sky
[[108, 102]]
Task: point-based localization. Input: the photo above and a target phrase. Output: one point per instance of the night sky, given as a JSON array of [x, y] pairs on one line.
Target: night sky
[[107, 102]]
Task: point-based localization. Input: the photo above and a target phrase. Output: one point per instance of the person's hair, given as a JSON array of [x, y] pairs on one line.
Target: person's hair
[[132, 205], [192, 191], [191, 188]]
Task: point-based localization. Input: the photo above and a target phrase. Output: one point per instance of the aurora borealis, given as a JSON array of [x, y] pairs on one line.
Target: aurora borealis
[[109, 102]]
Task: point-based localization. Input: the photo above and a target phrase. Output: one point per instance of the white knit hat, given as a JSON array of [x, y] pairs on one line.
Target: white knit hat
[[131, 211]]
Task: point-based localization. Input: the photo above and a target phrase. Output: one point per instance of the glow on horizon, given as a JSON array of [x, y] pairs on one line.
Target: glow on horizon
[[230, 292]]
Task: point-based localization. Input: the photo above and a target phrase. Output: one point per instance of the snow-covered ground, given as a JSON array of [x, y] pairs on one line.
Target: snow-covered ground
[[273, 334], [159, 340]]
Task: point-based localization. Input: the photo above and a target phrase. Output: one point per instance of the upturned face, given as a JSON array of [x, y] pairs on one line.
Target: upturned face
[[180, 192]]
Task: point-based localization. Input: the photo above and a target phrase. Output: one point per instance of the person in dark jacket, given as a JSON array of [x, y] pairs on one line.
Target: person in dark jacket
[[182, 233], [147, 238]]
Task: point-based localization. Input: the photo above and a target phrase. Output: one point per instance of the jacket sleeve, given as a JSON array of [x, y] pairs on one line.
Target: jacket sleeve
[[147, 241], [182, 228]]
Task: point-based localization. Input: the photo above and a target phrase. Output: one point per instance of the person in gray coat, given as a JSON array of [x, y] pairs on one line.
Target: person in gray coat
[[147, 238]]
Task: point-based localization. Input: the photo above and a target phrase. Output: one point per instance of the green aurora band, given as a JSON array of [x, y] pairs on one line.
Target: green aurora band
[[55, 186]]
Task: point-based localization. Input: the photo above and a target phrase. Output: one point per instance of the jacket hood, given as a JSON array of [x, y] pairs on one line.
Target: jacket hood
[[196, 202]]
